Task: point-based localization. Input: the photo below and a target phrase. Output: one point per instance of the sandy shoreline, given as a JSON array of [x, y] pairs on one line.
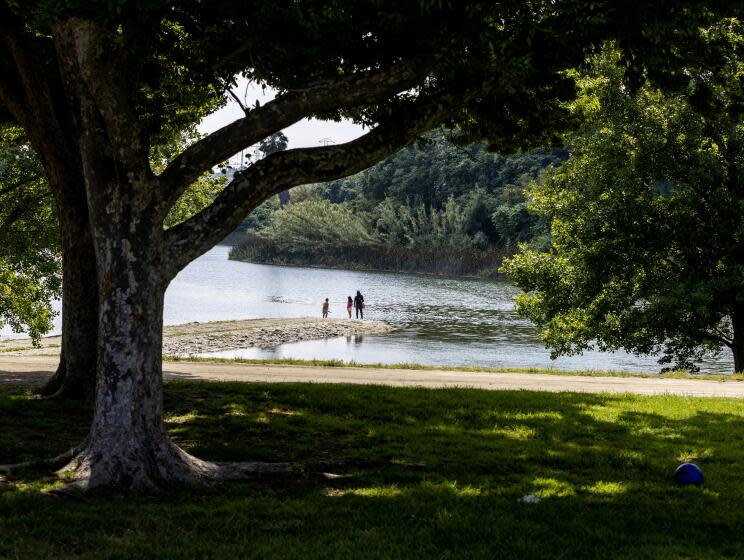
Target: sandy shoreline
[[196, 338]]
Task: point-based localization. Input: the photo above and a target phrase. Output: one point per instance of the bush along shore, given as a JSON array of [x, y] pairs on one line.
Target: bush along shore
[[450, 261]]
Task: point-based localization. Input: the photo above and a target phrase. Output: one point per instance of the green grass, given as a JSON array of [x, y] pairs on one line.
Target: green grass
[[477, 369], [426, 474], [15, 348], [21, 348]]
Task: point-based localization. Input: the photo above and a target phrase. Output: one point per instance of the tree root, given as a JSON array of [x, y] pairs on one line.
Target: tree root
[[148, 471], [240, 471], [82, 468], [54, 462]]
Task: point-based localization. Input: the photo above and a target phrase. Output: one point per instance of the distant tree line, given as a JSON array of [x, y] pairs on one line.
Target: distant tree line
[[432, 207]]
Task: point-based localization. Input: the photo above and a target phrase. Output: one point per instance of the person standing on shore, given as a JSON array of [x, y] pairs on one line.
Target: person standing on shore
[[349, 305], [325, 308], [359, 305]]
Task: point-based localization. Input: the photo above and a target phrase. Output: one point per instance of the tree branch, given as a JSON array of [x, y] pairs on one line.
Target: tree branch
[[85, 56], [33, 95], [237, 100], [283, 170], [285, 110], [722, 337], [11, 85]]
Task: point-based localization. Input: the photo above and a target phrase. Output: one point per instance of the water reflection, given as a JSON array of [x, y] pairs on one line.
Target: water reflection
[[354, 339]]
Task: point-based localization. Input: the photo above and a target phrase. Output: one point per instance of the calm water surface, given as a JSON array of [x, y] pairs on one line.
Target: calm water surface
[[441, 321]]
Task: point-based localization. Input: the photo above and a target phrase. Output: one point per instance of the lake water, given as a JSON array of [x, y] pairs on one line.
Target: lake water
[[441, 321]]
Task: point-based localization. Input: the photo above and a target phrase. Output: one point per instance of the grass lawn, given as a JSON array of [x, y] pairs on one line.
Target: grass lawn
[[425, 474]]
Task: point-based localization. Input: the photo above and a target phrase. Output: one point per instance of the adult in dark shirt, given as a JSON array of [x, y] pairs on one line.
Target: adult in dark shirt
[[359, 305]]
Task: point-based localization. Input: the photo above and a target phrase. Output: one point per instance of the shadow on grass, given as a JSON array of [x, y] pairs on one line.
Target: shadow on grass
[[420, 473]]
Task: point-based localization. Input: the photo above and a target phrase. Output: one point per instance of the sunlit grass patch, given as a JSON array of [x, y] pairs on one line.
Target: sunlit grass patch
[[181, 418], [390, 491], [605, 488], [552, 488], [689, 455], [526, 416], [285, 412], [455, 488], [515, 432]]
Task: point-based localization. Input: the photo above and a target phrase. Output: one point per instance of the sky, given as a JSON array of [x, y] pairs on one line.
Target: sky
[[305, 133]]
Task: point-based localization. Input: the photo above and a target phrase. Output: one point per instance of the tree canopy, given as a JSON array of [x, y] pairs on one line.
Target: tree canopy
[[648, 218]]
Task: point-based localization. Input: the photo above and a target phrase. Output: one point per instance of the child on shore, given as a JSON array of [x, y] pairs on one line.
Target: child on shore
[[349, 305], [325, 308]]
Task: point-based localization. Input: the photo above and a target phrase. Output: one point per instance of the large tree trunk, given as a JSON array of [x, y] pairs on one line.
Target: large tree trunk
[[128, 444], [114, 219], [738, 351], [76, 373]]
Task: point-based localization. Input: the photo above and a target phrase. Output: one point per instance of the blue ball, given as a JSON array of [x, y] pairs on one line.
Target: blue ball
[[688, 473]]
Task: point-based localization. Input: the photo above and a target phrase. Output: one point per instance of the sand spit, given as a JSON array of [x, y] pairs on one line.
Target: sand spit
[[196, 338]]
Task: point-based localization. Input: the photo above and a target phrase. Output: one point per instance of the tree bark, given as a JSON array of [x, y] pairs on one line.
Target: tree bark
[[35, 97], [128, 444], [737, 345], [76, 373]]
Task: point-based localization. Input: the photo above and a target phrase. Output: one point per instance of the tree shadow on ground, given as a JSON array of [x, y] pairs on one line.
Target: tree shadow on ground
[[401, 473]]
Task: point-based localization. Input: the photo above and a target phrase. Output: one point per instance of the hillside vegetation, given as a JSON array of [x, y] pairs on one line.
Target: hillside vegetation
[[432, 207]]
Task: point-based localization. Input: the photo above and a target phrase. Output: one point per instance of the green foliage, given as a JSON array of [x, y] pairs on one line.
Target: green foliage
[[259, 218], [30, 266], [186, 53], [307, 225], [432, 197], [648, 218], [419, 226], [432, 172], [197, 197], [273, 143], [390, 237], [424, 474]]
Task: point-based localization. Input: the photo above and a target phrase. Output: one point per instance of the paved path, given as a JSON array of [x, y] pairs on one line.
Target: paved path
[[34, 370]]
